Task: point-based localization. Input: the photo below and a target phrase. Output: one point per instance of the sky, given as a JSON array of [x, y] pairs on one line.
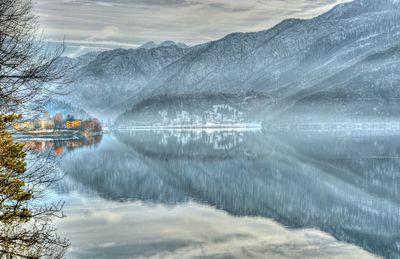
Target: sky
[[130, 23]]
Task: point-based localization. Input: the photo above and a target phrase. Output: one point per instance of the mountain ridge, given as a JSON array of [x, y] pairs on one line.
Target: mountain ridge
[[167, 43], [118, 73], [290, 61], [332, 39]]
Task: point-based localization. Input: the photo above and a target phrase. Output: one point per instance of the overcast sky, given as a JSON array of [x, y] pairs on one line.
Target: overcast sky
[[129, 23]]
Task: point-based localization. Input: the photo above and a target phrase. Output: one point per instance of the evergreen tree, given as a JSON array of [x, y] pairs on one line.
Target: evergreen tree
[[27, 70], [13, 196]]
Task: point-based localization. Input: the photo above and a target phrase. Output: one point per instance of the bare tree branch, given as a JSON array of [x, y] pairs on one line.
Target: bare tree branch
[[29, 73]]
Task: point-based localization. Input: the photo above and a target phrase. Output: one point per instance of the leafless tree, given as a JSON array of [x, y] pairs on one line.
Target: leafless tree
[[29, 69], [29, 73]]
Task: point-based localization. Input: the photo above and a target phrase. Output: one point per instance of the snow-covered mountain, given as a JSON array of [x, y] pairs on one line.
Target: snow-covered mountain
[[115, 75], [348, 56], [80, 61], [343, 62], [212, 110], [168, 43], [54, 106]]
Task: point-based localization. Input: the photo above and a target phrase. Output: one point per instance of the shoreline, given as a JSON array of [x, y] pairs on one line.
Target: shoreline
[[51, 135], [245, 126]]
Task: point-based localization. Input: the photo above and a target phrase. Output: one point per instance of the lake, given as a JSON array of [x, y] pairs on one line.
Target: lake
[[231, 194]]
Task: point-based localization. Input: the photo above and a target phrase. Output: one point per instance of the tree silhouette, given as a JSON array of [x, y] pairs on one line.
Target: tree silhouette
[[28, 73]]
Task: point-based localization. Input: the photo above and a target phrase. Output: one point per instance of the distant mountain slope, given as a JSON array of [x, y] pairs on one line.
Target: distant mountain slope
[[201, 110], [117, 74], [368, 89], [80, 61], [54, 106], [168, 43], [341, 63], [297, 59]]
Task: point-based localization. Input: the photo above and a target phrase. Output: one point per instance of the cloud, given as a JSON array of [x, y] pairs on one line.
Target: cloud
[[188, 231], [108, 32], [133, 22]]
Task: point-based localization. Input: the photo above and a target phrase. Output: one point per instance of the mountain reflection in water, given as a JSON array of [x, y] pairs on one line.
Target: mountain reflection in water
[[343, 184]]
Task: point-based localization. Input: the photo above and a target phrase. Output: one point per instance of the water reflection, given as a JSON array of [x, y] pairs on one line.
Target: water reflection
[[59, 147], [107, 229], [346, 185]]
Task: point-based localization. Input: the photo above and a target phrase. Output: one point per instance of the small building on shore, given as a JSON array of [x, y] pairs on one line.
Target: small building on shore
[[75, 124], [45, 124], [24, 126]]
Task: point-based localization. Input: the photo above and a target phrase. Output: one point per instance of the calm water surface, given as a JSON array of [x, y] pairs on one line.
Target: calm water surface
[[232, 194]]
